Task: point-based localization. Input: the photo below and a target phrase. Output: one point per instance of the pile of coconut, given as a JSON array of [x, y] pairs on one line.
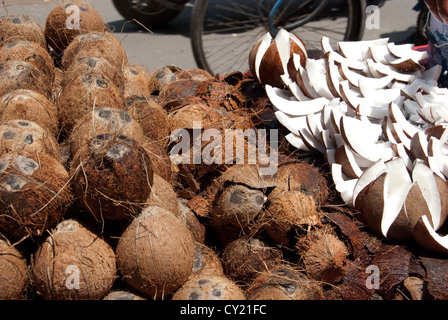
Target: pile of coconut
[[104, 197]]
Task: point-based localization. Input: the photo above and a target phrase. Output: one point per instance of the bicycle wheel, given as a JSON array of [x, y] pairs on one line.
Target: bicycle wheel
[[224, 31]]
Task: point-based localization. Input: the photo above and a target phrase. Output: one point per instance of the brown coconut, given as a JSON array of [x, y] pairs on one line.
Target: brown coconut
[[27, 137], [160, 159], [138, 82], [187, 216], [112, 176], [163, 195], [246, 257], [174, 92], [209, 287], [206, 262], [284, 283], [97, 44], [104, 121], [151, 116], [32, 106], [155, 254], [13, 272], [194, 73], [17, 74], [19, 27], [73, 263], [61, 23], [83, 94], [164, 75], [35, 193], [94, 65], [56, 88], [122, 295]]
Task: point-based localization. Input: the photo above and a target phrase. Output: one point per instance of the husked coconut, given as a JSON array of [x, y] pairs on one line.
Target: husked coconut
[[174, 92], [195, 74], [73, 263], [163, 75], [19, 27], [138, 82], [209, 287], [155, 254], [122, 295], [69, 19], [112, 176], [28, 137], [31, 106], [163, 195], [206, 261], [191, 220], [160, 159], [13, 272], [35, 193]]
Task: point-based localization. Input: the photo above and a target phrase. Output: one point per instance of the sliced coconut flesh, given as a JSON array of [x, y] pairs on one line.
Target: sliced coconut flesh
[[303, 79], [317, 76], [369, 175], [311, 142], [264, 46], [428, 237], [296, 141], [291, 123], [359, 50], [343, 184]]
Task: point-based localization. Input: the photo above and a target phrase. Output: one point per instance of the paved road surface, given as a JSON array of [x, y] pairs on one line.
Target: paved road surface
[[170, 45]]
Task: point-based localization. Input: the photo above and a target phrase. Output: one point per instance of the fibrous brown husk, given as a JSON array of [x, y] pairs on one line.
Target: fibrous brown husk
[[138, 82], [83, 94], [104, 121], [160, 159], [163, 195], [209, 287], [35, 193], [59, 34], [16, 74], [244, 258], [284, 283], [206, 261], [122, 295], [196, 227], [155, 253], [112, 176], [164, 75], [97, 44], [30, 52], [19, 27], [73, 263], [94, 65], [174, 92], [31, 106], [27, 137], [13, 272], [56, 88]]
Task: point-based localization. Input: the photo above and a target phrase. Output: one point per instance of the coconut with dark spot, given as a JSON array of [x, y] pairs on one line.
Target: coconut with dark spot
[[13, 272], [112, 176], [104, 121], [97, 44], [35, 193], [155, 253], [27, 137], [19, 27], [70, 19], [173, 93], [83, 94], [17, 74], [196, 227], [31, 106], [138, 82], [73, 263], [209, 287], [163, 75], [206, 262]]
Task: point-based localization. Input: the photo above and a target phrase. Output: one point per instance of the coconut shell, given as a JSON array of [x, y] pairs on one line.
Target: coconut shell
[[209, 287], [196, 227], [96, 44], [13, 272], [86, 92], [122, 295], [206, 262], [138, 82], [161, 160], [19, 27], [16, 74], [155, 254], [58, 30], [73, 263], [164, 75], [104, 121], [112, 176], [195, 74], [94, 65], [163, 195], [174, 92], [27, 137], [35, 193]]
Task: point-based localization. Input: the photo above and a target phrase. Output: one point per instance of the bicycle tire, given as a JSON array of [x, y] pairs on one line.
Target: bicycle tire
[[206, 47], [155, 14]]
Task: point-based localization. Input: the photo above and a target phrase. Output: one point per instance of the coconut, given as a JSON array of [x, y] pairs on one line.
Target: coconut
[[83, 94], [206, 262], [97, 44], [28, 137], [13, 272], [70, 19], [174, 92], [104, 121], [187, 216], [16, 74], [284, 283], [209, 287], [94, 65], [31, 106], [151, 116], [138, 82], [155, 254], [112, 176], [289, 214], [35, 193], [160, 159], [194, 73], [18, 27], [73, 263], [163, 195], [164, 75], [122, 295], [30, 52], [56, 89], [245, 257]]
